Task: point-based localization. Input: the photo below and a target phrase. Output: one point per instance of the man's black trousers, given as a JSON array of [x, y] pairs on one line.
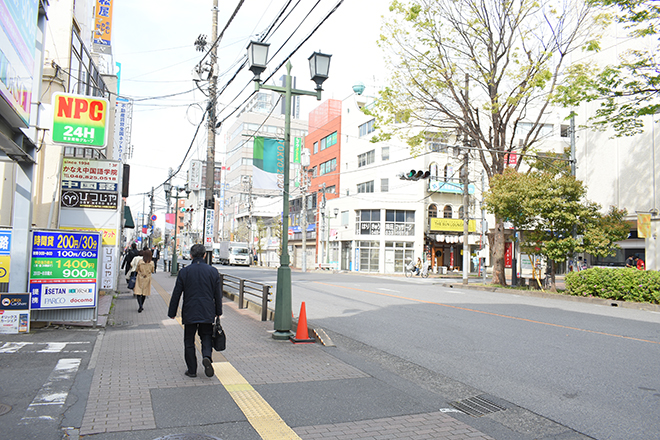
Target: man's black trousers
[[205, 332]]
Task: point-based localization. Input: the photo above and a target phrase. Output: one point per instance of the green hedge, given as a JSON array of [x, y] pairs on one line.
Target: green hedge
[[625, 284]]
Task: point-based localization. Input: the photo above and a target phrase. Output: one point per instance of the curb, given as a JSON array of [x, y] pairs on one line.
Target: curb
[[586, 300]]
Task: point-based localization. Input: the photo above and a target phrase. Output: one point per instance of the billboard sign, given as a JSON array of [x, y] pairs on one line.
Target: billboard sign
[[18, 31], [88, 199], [80, 120], [103, 22], [64, 269]]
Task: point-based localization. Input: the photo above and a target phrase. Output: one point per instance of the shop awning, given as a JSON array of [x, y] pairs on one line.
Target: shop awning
[[128, 218]]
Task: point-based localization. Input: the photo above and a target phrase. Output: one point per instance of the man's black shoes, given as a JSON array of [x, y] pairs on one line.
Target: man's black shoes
[[189, 374], [208, 367]]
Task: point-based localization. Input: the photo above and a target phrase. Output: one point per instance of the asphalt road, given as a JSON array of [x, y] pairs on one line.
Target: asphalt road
[[592, 368], [45, 380]]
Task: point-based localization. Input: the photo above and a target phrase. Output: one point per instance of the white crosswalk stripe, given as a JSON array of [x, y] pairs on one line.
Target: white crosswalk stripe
[[41, 347], [48, 403]]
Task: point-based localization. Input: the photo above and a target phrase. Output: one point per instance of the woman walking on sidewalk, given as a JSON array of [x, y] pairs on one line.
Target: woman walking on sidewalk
[[143, 283]]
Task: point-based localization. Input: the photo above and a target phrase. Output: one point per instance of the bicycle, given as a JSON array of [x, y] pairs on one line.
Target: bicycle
[[408, 270]]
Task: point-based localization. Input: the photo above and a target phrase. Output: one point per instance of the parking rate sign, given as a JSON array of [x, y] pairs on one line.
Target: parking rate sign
[[80, 120], [64, 269]]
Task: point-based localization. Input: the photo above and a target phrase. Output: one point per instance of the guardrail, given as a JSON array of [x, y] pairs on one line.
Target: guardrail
[[242, 287]]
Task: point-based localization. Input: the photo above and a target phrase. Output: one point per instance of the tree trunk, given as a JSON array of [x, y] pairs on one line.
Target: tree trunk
[[497, 243]]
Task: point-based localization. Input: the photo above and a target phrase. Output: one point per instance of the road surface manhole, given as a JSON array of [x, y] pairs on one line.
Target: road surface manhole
[[4, 409], [477, 406], [188, 437]]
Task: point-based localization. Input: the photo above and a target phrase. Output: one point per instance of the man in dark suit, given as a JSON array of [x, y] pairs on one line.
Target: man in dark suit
[[202, 302], [128, 258]]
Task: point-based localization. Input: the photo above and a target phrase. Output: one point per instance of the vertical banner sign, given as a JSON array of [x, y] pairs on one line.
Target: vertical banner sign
[[64, 269], [297, 149], [103, 22], [14, 313], [195, 175], [5, 259], [209, 222], [268, 163], [80, 120], [123, 119], [644, 225]]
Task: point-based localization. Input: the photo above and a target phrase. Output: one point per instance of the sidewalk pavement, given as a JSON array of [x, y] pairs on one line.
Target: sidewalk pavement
[[262, 388]]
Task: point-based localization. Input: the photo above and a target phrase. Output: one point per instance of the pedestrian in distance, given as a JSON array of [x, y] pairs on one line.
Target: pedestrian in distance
[[630, 261], [145, 268], [155, 255], [128, 258], [134, 263], [199, 283], [418, 266], [639, 264]]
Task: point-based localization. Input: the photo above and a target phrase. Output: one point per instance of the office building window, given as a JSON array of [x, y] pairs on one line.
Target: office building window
[[367, 222], [366, 187], [398, 222], [366, 128], [366, 158], [316, 147], [327, 167], [385, 153], [384, 185]]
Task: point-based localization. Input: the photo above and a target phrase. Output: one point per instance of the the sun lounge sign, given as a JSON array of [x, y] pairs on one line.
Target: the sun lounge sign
[[80, 120]]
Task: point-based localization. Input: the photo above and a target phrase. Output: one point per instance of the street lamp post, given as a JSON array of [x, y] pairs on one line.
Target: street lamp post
[[174, 270], [319, 65]]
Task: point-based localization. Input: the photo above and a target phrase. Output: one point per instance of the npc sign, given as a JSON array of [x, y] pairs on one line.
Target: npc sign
[[64, 269], [80, 120]]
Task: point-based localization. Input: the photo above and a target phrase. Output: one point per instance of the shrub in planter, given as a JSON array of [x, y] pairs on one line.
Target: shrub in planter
[[625, 284]]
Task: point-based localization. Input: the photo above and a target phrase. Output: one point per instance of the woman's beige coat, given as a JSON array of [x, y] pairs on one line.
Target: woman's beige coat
[[143, 281]]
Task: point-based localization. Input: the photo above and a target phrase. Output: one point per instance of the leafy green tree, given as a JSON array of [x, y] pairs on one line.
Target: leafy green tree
[[555, 218], [629, 90], [473, 71]]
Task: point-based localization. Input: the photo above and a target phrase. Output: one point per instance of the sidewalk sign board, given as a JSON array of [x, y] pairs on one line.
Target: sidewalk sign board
[[14, 313]]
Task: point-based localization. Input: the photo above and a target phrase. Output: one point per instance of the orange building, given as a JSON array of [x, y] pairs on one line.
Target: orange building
[[324, 144]]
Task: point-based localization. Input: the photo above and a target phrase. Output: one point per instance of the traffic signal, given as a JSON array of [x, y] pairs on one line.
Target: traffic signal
[[415, 175], [186, 210]]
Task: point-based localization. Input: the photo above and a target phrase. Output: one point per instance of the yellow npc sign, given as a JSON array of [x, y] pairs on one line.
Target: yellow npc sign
[[80, 120]]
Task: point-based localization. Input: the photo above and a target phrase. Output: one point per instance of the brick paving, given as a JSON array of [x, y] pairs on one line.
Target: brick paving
[[430, 426]]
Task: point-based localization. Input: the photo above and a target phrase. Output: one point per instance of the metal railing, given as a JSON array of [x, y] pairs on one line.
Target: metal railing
[[242, 287]]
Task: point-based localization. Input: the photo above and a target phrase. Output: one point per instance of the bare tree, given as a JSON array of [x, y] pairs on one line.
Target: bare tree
[[473, 71]]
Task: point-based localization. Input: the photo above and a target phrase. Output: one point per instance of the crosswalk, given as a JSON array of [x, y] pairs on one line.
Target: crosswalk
[[44, 347]]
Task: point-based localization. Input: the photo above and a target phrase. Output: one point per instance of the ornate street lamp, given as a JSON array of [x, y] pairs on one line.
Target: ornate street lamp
[[319, 65]]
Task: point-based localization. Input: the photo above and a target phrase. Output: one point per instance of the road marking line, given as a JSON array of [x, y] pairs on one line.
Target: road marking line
[[258, 412], [52, 396], [13, 347], [499, 315]]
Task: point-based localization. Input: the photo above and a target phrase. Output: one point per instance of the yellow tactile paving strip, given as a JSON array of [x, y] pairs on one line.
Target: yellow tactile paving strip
[[263, 418], [259, 413]]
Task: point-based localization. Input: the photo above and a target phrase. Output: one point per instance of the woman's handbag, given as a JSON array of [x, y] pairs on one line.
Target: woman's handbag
[[219, 337], [131, 280]]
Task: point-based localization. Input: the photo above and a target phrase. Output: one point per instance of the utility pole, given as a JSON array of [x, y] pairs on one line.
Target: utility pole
[[466, 195], [466, 218], [248, 184], [483, 229], [211, 121], [322, 210], [150, 222], [303, 220]]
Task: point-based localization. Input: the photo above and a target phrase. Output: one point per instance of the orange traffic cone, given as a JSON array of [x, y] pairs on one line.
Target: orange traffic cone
[[302, 335]]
